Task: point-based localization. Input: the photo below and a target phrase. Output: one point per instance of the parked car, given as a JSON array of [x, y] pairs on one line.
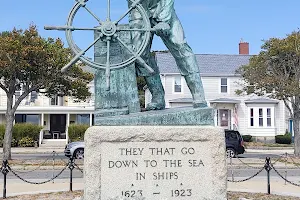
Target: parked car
[[234, 143], [75, 149]]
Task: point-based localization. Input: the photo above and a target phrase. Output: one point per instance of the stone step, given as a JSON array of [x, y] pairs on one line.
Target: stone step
[[51, 144]]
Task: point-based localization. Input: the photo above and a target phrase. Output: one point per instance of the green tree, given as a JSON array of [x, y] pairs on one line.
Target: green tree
[[32, 63], [275, 73]]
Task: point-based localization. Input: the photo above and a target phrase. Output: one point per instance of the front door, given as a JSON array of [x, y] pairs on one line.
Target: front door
[[224, 118], [57, 124]]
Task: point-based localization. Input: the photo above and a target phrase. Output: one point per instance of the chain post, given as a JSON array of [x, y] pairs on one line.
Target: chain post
[[71, 167], [268, 168], [286, 159], [4, 171], [53, 162], [232, 177]]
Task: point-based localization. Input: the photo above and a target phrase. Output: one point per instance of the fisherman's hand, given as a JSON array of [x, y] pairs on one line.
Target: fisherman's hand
[[162, 28]]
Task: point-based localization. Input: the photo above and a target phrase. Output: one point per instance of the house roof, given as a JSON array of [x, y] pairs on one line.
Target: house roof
[[181, 100], [209, 64], [261, 101], [225, 100]]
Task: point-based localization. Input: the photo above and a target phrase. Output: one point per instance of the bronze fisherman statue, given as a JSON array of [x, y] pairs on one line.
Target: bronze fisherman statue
[[164, 20]]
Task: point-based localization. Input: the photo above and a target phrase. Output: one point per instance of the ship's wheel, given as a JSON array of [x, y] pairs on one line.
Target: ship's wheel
[[108, 31]]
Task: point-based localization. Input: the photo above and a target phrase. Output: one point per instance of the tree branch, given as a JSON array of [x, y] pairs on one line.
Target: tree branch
[[286, 103], [3, 88], [22, 97]]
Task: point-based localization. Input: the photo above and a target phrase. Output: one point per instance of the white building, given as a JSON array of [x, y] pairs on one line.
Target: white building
[[263, 118], [260, 117], [54, 114]]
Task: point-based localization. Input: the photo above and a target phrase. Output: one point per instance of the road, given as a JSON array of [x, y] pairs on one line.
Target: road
[[37, 156], [41, 156]]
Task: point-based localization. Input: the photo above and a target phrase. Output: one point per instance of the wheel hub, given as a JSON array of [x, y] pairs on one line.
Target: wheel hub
[[108, 28]]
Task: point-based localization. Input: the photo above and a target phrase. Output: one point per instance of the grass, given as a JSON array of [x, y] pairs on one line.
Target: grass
[[261, 144], [72, 195]]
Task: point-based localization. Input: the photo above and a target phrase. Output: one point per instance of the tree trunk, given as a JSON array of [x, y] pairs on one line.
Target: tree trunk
[[10, 116], [296, 122], [8, 136]]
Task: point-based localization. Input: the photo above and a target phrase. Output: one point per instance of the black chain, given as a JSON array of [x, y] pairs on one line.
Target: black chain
[[78, 167], [40, 165], [37, 183], [247, 164], [278, 159], [295, 184], [243, 180], [296, 164]]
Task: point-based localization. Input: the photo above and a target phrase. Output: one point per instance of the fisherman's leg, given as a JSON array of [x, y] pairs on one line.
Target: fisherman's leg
[[153, 80], [186, 60]]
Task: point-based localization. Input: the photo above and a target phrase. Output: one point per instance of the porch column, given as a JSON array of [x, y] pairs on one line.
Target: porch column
[[91, 119], [67, 128], [42, 131], [216, 116]]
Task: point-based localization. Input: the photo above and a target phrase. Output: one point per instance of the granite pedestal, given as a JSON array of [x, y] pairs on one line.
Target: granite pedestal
[[156, 161]]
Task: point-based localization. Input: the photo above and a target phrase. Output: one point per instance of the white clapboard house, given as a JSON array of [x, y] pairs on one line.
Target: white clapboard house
[[261, 117], [54, 114]]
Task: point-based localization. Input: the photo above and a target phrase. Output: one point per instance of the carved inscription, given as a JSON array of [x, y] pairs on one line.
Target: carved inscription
[[153, 170]]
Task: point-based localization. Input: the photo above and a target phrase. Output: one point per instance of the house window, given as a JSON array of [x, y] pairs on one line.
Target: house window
[[17, 95], [269, 118], [83, 119], [260, 117], [54, 100], [33, 96], [177, 84], [224, 87], [251, 117], [23, 118]]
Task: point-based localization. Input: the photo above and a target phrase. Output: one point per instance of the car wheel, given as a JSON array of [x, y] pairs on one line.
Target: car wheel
[[230, 153], [79, 154]]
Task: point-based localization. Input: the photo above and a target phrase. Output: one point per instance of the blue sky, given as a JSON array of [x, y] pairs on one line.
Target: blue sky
[[211, 26]]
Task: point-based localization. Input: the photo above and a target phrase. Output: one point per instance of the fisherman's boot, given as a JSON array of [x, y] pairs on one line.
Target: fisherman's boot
[[194, 83], [158, 93]]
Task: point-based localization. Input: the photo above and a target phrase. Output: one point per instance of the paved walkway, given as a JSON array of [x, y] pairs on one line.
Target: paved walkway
[[33, 150]]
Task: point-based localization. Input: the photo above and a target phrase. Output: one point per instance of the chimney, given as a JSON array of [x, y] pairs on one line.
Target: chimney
[[243, 48]]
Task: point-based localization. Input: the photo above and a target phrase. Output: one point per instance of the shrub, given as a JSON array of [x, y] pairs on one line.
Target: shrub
[[76, 132], [14, 142], [23, 130], [2, 131], [26, 142], [247, 138], [283, 139]]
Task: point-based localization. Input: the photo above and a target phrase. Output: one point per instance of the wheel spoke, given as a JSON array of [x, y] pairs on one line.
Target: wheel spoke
[[108, 11], [134, 4], [136, 29], [77, 57], [64, 28], [108, 66], [95, 16], [139, 59]]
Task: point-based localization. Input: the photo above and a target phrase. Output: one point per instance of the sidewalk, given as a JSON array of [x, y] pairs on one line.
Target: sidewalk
[[33, 150], [257, 185]]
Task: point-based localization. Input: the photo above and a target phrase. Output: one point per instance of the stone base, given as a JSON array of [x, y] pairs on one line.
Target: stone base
[[172, 116], [155, 162]]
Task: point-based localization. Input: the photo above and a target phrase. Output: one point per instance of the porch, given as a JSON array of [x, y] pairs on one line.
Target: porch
[[226, 115], [55, 121]]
